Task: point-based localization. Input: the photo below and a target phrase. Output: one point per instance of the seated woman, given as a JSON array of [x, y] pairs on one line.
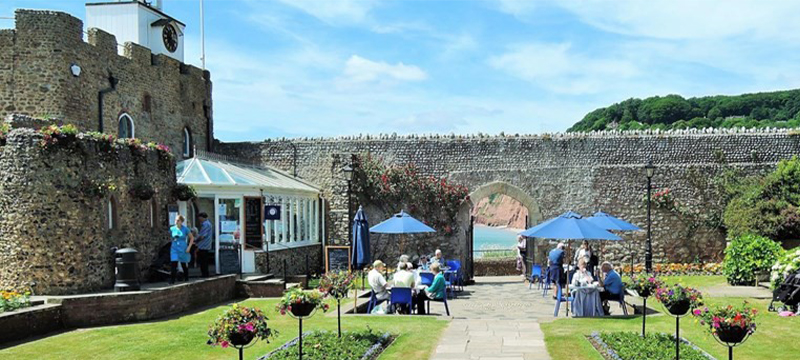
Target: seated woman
[[434, 292], [582, 276]]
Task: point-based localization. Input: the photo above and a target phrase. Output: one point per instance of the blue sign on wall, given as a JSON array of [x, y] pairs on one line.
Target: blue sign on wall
[[272, 212]]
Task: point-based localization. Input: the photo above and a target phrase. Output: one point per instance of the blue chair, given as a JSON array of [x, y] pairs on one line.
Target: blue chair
[[455, 268], [402, 296], [373, 302], [546, 283], [444, 300], [536, 274], [559, 298], [426, 278]]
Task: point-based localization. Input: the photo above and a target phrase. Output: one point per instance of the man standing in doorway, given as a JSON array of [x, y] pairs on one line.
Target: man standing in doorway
[[205, 236]]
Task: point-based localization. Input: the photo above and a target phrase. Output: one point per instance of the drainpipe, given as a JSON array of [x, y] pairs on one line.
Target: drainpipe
[[113, 82]]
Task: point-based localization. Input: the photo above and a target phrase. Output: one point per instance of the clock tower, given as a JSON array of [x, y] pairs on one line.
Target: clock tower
[[141, 22]]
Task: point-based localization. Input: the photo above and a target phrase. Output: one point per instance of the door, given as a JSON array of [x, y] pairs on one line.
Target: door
[[253, 232], [229, 235]]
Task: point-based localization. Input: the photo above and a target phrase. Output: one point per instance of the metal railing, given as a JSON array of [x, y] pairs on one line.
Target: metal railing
[[494, 253]]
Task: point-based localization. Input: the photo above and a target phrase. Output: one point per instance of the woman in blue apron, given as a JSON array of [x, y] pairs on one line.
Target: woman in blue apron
[[179, 252]]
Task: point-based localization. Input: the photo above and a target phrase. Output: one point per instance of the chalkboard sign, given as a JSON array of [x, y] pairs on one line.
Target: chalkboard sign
[[228, 261], [253, 223], [337, 258]]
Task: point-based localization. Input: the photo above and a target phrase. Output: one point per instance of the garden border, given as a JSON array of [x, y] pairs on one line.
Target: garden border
[[372, 353], [608, 352]]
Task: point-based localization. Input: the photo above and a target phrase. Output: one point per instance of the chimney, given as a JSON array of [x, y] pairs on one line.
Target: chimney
[[158, 4]]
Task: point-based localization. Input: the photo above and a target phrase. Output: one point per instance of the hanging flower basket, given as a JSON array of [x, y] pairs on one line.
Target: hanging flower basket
[[731, 334], [679, 308], [301, 303], [184, 192], [240, 339], [729, 324], [302, 309], [142, 191]]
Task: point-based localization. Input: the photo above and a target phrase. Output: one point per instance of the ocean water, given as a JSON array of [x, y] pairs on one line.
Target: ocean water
[[487, 237]]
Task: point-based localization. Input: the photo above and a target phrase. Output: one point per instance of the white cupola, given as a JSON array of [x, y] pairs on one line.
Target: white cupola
[[140, 22]]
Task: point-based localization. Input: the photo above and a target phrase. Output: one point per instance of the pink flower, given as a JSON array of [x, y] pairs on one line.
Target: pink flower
[[697, 312], [224, 344], [249, 327]]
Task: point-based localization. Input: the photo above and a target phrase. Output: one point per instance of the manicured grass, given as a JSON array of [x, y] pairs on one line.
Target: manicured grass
[[565, 338], [185, 337]]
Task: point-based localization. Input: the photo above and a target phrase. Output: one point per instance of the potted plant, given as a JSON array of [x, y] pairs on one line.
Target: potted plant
[[238, 327], [184, 192], [730, 324], [301, 303], [644, 284], [142, 190], [337, 285], [678, 299]]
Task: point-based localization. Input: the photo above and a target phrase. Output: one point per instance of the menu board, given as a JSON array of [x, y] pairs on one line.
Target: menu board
[[253, 223], [337, 258], [228, 261]]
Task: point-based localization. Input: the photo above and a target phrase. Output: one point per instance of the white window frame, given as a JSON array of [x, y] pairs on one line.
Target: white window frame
[[187, 142], [132, 127]]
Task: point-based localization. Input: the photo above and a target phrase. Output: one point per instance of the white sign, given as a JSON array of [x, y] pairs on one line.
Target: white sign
[[229, 226], [223, 209]]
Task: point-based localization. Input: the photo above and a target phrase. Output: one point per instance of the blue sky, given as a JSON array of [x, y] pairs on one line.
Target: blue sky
[[324, 67]]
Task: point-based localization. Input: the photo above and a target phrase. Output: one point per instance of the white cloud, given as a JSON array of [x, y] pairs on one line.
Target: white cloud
[[360, 70], [516, 7], [339, 12], [560, 68]]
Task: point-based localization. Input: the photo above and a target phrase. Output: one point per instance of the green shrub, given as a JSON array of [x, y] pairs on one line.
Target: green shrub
[[658, 346], [747, 256]]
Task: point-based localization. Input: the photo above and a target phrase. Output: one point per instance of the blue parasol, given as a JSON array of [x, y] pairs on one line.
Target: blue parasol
[[609, 222], [401, 223], [361, 255]]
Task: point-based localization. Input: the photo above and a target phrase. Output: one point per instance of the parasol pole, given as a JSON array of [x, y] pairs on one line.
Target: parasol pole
[[569, 253]]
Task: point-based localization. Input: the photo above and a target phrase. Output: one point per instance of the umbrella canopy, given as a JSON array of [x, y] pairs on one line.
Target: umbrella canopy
[[401, 223], [361, 255], [570, 226], [609, 222]]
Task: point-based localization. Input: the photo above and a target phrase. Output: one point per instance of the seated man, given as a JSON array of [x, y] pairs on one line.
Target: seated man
[[612, 284], [404, 279], [377, 282], [438, 258]]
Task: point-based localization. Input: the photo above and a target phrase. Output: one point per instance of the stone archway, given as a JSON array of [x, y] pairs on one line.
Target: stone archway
[[502, 187]]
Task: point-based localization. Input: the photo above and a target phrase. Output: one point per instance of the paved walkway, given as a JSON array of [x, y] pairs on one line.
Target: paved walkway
[[497, 318]]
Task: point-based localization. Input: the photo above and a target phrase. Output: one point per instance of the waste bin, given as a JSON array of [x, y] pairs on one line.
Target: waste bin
[[127, 270]]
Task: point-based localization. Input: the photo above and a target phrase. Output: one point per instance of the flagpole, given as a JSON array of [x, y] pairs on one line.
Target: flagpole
[[202, 38]]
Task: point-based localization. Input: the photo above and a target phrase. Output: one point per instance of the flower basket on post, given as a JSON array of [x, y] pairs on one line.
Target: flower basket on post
[[184, 192], [731, 326], [645, 285], [336, 285], [678, 300], [238, 327], [301, 304]]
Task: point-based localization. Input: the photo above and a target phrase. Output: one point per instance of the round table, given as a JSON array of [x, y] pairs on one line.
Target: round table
[[586, 301]]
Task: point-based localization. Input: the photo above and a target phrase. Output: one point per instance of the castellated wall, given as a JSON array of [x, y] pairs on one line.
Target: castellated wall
[[555, 173], [35, 80], [54, 233]]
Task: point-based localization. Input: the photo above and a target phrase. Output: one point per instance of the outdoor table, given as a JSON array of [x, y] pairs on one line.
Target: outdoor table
[[587, 301]]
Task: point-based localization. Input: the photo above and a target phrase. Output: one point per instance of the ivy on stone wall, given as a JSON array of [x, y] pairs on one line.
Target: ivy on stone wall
[[432, 200], [4, 128]]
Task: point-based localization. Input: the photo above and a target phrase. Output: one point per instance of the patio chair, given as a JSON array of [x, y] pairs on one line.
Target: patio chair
[[426, 278], [448, 284], [560, 298], [455, 268], [400, 296], [373, 301], [444, 300], [621, 301], [546, 282], [536, 273]]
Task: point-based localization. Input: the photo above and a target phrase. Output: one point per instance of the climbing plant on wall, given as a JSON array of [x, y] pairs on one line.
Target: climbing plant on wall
[[432, 200]]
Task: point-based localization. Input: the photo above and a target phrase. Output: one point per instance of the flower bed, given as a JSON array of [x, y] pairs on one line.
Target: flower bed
[[11, 300], [678, 269], [631, 346], [353, 345]]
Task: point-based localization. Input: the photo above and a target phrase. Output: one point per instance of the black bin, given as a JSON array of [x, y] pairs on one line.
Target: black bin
[[127, 270]]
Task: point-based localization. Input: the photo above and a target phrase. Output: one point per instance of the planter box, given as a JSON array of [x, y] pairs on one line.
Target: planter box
[[30, 321]]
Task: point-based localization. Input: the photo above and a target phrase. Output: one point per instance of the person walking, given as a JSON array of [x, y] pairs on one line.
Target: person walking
[[204, 242], [521, 252], [179, 251]]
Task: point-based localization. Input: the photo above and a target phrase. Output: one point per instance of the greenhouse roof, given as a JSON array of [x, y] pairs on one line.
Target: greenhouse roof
[[200, 172]]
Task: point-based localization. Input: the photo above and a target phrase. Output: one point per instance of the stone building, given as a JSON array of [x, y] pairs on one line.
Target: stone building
[[48, 70]]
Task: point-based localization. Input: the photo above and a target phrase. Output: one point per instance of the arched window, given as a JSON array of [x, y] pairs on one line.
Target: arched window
[[187, 142], [112, 213], [126, 129], [153, 212]]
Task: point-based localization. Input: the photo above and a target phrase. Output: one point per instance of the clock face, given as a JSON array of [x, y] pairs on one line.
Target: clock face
[[273, 211], [170, 37]]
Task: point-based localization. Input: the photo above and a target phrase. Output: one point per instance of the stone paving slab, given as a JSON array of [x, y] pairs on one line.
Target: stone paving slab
[[497, 318]]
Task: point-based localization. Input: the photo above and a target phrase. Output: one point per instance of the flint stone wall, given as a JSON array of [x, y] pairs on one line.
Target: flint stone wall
[[54, 237], [162, 95], [580, 172]]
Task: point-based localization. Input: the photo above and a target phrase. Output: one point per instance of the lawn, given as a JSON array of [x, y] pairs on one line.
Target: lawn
[[185, 337], [564, 336]]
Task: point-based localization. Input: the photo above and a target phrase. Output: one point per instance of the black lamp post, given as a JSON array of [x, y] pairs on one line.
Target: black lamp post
[[649, 171], [348, 175]]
